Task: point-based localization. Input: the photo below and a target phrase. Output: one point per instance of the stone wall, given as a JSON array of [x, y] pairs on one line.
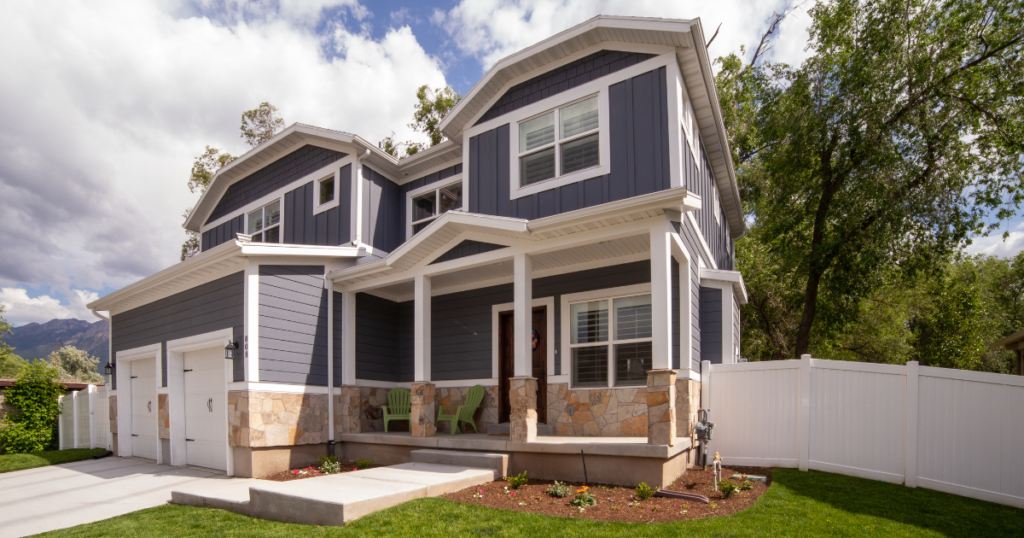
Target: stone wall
[[264, 419], [486, 414], [618, 412], [687, 404], [112, 402], [164, 424]]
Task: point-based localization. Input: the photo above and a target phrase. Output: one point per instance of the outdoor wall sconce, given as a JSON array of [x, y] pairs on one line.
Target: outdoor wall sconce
[[231, 351], [109, 370]]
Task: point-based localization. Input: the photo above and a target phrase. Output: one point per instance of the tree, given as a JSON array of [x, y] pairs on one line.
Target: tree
[[75, 365], [431, 107], [886, 148], [258, 125], [10, 364]]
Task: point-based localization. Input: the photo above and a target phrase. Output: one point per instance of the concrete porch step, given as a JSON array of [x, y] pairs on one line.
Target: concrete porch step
[[505, 428], [482, 460]]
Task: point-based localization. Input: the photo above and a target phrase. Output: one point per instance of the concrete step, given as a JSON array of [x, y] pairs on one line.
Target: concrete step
[[483, 460], [504, 428], [232, 495]]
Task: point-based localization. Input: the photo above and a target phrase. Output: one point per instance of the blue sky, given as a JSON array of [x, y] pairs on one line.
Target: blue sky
[[105, 103]]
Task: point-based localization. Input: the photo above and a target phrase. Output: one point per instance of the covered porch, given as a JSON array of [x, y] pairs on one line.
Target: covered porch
[[536, 313]]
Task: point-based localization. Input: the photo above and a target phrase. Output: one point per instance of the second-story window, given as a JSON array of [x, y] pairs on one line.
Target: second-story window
[[559, 142], [326, 190], [264, 224], [429, 205]]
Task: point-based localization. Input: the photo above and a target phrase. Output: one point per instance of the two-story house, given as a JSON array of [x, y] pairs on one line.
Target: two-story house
[[569, 247]]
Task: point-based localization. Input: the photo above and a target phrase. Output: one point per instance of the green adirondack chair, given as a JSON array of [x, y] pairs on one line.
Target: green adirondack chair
[[464, 412], [398, 407]]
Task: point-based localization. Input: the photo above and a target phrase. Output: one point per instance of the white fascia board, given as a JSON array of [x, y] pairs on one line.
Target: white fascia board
[[272, 249], [735, 278], [677, 199], [457, 218]]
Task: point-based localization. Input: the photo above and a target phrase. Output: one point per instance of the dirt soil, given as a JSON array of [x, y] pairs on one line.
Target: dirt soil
[[312, 472], [615, 503]]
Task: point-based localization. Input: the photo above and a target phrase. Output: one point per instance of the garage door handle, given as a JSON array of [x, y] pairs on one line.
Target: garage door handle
[[149, 406], [209, 404], [135, 435], [193, 440]]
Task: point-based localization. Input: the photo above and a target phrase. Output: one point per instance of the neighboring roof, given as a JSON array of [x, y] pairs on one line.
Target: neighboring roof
[[693, 62], [1009, 341], [222, 260], [449, 225], [298, 135]]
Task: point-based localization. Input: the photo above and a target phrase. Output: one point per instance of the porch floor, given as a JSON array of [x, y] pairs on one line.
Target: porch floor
[[636, 447]]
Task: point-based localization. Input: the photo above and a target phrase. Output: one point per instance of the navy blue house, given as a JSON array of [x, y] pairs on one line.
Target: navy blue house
[[569, 247]]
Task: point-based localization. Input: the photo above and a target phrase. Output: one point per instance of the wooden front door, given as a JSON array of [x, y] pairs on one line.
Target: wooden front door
[[506, 362]]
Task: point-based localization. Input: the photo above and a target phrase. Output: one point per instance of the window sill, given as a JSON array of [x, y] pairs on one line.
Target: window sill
[[554, 183]]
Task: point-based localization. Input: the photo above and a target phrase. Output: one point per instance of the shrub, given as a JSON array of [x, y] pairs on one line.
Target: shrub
[[517, 481], [363, 464], [747, 484], [559, 490], [727, 488], [329, 464], [34, 395], [644, 492], [582, 499]]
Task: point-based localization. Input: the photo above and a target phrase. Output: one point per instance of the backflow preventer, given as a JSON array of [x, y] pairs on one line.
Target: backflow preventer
[[703, 432]]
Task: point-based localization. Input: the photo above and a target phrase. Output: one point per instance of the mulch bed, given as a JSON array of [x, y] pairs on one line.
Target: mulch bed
[[613, 502], [312, 472]]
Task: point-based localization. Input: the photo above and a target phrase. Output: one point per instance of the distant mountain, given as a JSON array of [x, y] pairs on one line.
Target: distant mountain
[[35, 341]]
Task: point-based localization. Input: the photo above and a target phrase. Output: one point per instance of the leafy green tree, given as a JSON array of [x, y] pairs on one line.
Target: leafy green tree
[[953, 330], [10, 364], [258, 125], [34, 395], [75, 364], [430, 108], [886, 148]]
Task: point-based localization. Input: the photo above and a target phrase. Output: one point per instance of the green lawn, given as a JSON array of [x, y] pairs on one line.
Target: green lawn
[[797, 504], [17, 462]]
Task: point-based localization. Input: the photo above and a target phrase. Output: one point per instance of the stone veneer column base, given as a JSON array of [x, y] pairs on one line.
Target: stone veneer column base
[[523, 403], [423, 412], [661, 407], [347, 407]]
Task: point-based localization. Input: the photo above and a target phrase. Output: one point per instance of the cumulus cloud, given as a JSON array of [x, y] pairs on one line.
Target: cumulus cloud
[[492, 29], [104, 105], [995, 245], [21, 309]]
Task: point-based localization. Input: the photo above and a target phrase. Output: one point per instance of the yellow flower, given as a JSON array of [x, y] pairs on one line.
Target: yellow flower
[[582, 490]]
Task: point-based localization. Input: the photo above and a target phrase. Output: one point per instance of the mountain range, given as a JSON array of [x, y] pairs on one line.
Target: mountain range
[[37, 341]]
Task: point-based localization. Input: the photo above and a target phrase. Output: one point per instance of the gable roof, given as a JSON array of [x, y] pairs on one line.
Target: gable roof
[[686, 36]]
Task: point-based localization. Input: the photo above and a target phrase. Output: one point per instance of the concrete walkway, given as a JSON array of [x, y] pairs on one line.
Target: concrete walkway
[[61, 496]]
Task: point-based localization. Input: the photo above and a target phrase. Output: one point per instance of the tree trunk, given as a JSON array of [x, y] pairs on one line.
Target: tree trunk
[[803, 335]]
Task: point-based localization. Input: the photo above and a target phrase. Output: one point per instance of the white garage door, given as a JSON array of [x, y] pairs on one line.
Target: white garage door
[[206, 430], [144, 409]]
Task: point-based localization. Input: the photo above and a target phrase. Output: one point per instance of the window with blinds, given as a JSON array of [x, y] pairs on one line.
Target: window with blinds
[[611, 340], [546, 152]]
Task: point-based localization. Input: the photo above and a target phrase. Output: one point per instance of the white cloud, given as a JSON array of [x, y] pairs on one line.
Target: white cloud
[[995, 245], [21, 309], [493, 29], [104, 105]]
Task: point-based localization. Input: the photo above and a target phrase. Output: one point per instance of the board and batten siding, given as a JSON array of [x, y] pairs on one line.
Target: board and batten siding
[[712, 324], [383, 207], [377, 338], [327, 228], [716, 232], [222, 233], [638, 140], [467, 248], [208, 307], [293, 324]]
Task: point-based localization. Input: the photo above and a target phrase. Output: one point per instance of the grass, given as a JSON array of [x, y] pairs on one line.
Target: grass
[[797, 504], [18, 462]]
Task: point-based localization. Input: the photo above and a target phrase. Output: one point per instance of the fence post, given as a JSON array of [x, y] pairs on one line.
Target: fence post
[[805, 412], [705, 384], [60, 423], [910, 462], [74, 417], [92, 416]]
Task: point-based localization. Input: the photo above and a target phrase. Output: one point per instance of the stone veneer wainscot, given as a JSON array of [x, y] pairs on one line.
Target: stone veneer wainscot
[[263, 419]]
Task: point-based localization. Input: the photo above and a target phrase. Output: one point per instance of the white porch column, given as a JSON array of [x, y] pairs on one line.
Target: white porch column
[[661, 295], [421, 328], [523, 316], [348, 338]]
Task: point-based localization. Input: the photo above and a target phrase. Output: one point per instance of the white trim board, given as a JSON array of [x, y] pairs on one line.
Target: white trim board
[[549, 303]]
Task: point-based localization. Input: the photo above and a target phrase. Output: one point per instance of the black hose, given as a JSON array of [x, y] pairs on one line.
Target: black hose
[[103, 455], [584, 458]]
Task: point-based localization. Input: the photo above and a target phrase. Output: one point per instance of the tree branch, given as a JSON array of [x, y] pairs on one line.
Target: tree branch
[[708, 44]]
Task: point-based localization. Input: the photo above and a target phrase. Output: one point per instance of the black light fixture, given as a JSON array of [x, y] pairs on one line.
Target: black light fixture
[[109, 371], [231, 351]]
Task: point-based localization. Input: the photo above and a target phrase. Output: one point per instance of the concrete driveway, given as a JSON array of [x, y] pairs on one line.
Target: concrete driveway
[[60, 496]]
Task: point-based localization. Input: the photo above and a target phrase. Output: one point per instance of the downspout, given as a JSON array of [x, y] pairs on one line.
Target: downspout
[[357, 229]]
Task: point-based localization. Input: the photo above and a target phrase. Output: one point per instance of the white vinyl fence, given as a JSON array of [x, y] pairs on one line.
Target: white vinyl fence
[[950, 430], [84, 419]]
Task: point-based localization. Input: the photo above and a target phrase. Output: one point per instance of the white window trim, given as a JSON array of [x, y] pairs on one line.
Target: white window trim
[[435, 186], [596, 295], [280, 222], [317, 206], [604, 146]]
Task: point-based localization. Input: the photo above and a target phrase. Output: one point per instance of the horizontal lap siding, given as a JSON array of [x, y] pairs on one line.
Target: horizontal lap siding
[[716, 232], [712, 323], [208, 307], [675, 314], [327, 228], [638, 139], [293, 325], [272, 177], [377, 338], [223, 233], [338, 309]]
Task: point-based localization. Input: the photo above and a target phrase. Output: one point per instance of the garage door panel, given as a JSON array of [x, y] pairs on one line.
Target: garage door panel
[[144, 409], [205, 409]]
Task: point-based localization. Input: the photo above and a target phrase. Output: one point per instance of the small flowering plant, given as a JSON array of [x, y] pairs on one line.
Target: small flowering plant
[[479, 494]]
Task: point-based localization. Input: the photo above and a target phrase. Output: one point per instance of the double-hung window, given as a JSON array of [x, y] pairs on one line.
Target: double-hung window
[[264, 224], [560, 142], [610, 341], [433, 203]]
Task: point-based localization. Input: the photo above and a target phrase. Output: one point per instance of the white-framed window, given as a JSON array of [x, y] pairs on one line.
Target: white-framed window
[[264, 223], [688, 122], [610, 341], [325, 193], [432, 201], [559, 145]]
